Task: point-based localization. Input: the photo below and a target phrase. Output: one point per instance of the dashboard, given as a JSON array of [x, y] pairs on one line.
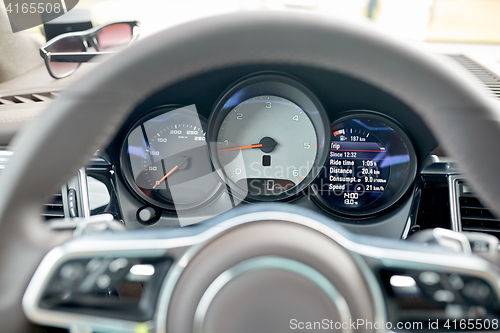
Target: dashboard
[[330, 148], [240, 184], [304, 136]]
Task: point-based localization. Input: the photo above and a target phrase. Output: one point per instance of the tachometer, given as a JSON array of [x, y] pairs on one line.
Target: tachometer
[[166, 160], [268, 136], [371, 165]]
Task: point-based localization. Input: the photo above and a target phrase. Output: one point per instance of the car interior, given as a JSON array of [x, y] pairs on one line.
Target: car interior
[[251, 171]]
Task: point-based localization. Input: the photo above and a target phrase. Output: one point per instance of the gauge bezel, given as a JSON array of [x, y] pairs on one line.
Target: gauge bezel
[[125, 168], [279, 85], [375, 207]]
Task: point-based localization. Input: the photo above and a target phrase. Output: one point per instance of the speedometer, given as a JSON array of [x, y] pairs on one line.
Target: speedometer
[[165, 160], [371, 165], [268, 136]]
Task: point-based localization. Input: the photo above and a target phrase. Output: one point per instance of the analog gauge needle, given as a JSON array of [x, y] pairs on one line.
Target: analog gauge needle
[[181, 163], [266, 144]]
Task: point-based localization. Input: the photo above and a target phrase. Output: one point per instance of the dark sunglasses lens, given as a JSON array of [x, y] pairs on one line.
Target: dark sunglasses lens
[[114, 36], [70, 44]]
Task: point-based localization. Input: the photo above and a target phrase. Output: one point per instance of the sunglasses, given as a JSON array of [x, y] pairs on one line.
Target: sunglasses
[[65, 53]]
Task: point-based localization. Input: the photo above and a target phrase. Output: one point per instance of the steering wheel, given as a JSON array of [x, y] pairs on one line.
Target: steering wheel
[[275, 261]]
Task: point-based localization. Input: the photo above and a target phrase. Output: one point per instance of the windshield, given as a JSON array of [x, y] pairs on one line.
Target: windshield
[[464, 21]]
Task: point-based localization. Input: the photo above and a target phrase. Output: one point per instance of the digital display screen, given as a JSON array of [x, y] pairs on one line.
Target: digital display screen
[[368, 166], [264, 186], [358, 170]]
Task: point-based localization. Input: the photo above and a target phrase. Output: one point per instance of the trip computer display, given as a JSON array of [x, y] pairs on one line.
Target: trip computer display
[[371, 165]]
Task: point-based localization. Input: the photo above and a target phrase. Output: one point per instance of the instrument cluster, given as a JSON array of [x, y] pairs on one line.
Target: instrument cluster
[[268, 138]]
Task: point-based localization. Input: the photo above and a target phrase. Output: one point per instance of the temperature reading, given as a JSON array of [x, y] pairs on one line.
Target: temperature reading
[[351, 198]]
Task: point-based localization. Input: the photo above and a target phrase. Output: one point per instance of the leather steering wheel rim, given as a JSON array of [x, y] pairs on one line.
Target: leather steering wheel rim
[[86, 115]]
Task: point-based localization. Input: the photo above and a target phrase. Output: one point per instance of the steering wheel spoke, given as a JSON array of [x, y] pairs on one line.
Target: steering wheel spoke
[[442, 282], [125, 281], [100, 283]]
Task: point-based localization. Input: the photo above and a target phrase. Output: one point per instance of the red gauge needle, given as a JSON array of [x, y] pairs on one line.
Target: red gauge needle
[[266, 144], [181, 164], [244, 147], [165, 177]]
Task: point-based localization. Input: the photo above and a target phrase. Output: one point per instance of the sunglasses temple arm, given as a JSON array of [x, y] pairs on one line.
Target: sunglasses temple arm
[[75, 56]]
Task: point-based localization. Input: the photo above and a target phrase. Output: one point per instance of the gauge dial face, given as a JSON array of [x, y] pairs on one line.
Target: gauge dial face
[[169, 164], [269, 137], [371, 165], [266, 145]]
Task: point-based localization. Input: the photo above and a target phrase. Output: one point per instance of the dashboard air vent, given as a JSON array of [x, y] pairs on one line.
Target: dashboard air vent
[[28, 98], [489, 79], [473, 215], [55, 208]]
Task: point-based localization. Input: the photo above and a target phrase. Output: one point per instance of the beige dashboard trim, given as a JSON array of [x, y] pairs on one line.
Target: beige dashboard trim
[[13, 117]]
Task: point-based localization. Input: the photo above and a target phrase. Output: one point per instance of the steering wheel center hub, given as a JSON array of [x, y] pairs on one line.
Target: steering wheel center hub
[[277, 294], [267, 276]]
